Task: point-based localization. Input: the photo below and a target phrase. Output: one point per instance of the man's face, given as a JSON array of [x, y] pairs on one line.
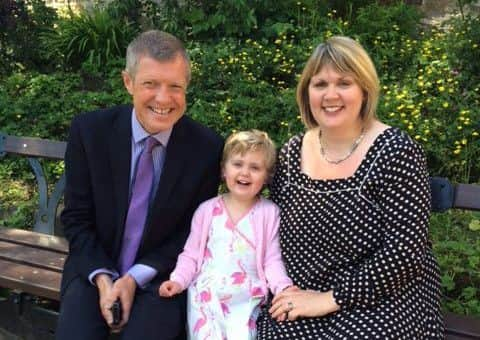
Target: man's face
[[158, 90]]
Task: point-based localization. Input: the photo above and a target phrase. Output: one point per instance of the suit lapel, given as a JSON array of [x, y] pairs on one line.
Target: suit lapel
[[120, 149], [176, 155]]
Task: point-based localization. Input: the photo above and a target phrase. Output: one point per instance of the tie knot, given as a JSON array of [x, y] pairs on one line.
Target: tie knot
[[150, 143]]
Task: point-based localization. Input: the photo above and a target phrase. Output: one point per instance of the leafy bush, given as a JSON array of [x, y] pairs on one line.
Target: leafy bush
[[464, 47], [21, 24], [429, 102], [456, 243], [94, 36], [387, 33]]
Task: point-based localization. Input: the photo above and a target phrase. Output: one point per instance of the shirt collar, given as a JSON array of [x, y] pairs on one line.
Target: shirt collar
[[139, 133]]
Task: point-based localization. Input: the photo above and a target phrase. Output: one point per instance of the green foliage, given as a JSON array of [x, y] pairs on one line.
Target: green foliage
[[42, 105], [387, 33], [207, 19], [433, 103], [457, 251], [464, 48], [21, 24], [95, 36]]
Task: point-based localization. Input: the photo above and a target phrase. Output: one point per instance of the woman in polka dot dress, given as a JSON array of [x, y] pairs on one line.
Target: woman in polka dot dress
[[355, 201]]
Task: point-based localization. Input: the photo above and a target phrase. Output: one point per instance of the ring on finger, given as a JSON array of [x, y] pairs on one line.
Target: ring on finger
[[289, 306]]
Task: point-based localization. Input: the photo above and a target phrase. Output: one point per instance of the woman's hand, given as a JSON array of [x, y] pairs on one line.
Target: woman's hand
[[169, 288], [294, 303]]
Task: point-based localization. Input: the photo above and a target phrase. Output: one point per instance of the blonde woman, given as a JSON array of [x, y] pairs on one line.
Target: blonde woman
[[355, 201]]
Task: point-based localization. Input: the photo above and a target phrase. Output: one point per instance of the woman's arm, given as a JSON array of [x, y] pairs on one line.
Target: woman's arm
[[404, 204]]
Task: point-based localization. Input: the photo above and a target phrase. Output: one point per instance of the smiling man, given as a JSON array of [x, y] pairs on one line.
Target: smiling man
[[135, 175]]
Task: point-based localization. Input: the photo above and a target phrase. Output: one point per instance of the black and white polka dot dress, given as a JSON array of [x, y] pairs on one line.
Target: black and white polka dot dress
[[365, 237]]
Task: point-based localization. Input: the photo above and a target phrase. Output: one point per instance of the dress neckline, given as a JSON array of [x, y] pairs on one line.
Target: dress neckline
[[227, 212], [369, 156]]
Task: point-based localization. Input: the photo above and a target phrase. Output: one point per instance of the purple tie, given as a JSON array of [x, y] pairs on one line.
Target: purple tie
[[138, 208]]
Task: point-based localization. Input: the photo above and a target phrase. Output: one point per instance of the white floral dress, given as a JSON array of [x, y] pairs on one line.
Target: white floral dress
[[223, 301]]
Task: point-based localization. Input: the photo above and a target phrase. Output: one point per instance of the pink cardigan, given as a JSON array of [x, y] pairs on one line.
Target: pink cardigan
[[265, 219]]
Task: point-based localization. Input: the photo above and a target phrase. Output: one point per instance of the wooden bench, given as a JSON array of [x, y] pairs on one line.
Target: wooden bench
[[31, 262], [31, 265]]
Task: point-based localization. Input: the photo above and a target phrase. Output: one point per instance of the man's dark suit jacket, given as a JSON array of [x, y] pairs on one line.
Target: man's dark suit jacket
[[97, 165]]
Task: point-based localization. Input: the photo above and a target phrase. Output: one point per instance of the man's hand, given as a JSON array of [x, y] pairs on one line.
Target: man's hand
[[169, 288], [124, 289], [104, 284]]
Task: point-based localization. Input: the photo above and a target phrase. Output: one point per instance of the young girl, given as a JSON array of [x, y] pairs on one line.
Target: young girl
[[232, 255]]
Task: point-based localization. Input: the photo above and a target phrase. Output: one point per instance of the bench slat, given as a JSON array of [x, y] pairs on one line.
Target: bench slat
[[35, 281], [34, 147], [458, 337], [37, 240], [462, 325], [35, 257], [467, 196]]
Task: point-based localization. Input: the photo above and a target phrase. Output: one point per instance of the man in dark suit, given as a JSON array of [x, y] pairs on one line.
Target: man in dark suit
[[135, 175]]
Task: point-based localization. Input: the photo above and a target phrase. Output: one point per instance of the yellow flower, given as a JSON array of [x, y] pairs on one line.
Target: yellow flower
[[456, 151], [441, 88], [445, 104], [475, 133]]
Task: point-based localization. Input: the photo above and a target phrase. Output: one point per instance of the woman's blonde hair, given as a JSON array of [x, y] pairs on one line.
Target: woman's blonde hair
[[346, 56], [251, 140]]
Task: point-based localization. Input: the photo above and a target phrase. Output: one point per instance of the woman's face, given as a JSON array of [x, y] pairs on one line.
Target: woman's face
[[335, 99]]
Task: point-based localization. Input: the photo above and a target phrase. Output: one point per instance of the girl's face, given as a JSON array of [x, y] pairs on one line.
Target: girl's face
[[335, 99], [245, 174]]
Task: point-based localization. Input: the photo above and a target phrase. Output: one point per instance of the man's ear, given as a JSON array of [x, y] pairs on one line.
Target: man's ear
[[127, 82]]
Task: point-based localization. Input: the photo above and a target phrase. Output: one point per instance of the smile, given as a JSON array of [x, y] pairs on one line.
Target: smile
[[243, 182], [159, 111], [332, 108]]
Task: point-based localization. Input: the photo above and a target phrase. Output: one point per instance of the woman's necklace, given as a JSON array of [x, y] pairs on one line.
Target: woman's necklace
[[349, 153]]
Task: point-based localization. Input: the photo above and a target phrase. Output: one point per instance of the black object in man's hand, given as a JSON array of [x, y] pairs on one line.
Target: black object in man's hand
[[116, 310]]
